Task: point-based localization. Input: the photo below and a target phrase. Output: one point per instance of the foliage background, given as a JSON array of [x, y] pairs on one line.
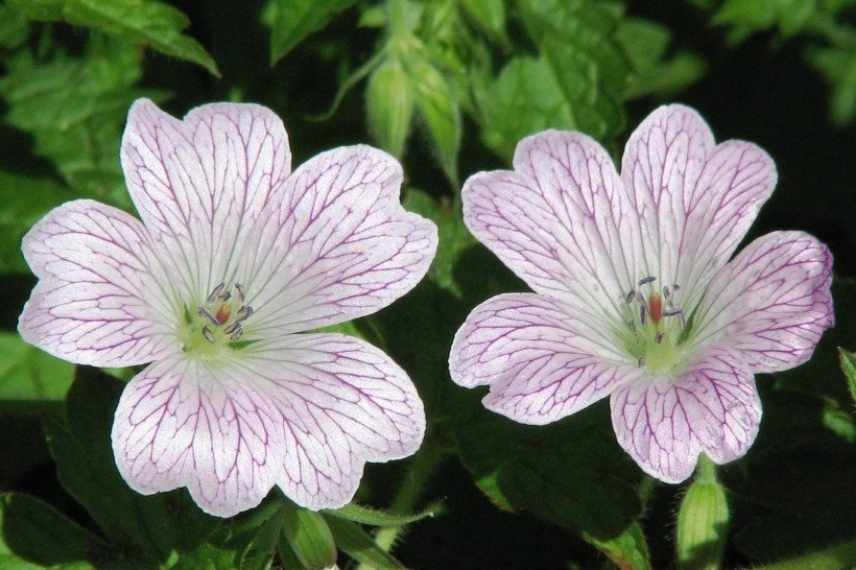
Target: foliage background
[[449, 85]]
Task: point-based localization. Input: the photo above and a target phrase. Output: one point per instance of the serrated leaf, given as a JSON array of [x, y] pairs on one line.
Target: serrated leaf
[[789, 15], [29, 378], [150, 527], [375, 517], [293, 20], [34, 530], [439, 111], [309, 537], [848, 366], [75, 108], [390, 102], [154, 24], [525, 98], [577, 39], [356, 543]]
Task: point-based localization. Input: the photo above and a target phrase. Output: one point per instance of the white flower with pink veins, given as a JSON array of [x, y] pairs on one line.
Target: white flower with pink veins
[[234, 257], [634, 294]]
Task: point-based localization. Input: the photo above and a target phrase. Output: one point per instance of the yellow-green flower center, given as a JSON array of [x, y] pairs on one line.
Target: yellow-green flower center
[[215, 326]]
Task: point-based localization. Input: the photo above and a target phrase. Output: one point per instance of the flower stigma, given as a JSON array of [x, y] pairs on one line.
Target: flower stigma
[[656, 329], [217, 323]]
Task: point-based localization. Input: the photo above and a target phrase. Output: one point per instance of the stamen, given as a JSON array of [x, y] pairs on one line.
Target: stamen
[[672, 312], [244, 313], [630, 297], [207, 314], [216, 292], [659, 338], [237, 333], [646, 280], [240, 291], [667, 293], [642, 314], [232, 328], [209, 336], [225, 296]]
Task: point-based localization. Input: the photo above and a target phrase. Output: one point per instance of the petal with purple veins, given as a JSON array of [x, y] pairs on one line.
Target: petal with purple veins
[[339, 246], [560, 221], [696, 200], [773, 301], [199, 184], [713, 408], [99, 299], [342, 402], [540, 362], [210, 428]]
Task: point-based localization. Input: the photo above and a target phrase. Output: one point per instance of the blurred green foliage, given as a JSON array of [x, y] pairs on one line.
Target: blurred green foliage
[[450, 87]]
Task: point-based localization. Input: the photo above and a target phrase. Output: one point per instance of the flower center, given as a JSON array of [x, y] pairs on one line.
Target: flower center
[[657, 330], [217, 323]]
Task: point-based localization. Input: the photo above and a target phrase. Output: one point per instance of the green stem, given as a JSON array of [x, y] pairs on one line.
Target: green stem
[[705, 470], [412, 486], [841, 555]]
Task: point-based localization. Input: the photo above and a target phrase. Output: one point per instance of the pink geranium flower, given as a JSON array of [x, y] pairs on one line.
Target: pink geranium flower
[[234, 257], [635, 296]]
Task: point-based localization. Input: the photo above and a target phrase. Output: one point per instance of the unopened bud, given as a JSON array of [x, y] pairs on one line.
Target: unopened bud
[[702, 521]]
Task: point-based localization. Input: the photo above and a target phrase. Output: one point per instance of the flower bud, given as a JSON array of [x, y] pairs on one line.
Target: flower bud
[[702, 521]]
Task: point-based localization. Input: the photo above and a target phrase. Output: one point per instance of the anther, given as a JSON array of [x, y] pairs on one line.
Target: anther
[[240, 291], [236, 334], [659, 338], [630, 297], [232, 328], [216, 292], [646, 280], [676, 287], [642, 314], [244, 313], [207, 314], [667, 293], [209, 336], [672, 312]]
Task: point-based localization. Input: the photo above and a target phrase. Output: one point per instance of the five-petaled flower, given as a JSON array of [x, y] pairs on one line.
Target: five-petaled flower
[[234, 257], [635, 296]]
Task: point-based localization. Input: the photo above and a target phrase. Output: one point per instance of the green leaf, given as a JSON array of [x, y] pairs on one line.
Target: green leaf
[[24, 201], [571, 474], [35, 531], [488, 14], [389, 106], [206, 557], [753, 15], [154, 24], [374, 517], [150, 527], [13, 27], [259, 552], [75, 108], [30, 377], [524, 99], [578, 40], [357, 544], [309, 537], [293, 20], [848, 366], [12, 562], [645, 43], [838, 67], [439, 111]]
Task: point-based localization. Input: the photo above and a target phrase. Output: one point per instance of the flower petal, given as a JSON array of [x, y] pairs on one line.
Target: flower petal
[[696, 200], [338, 246], [200, 183], [210, 428], [539, 361], [343, 402], [713, 407], [773, 301], [98, 300], [560, 221]]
